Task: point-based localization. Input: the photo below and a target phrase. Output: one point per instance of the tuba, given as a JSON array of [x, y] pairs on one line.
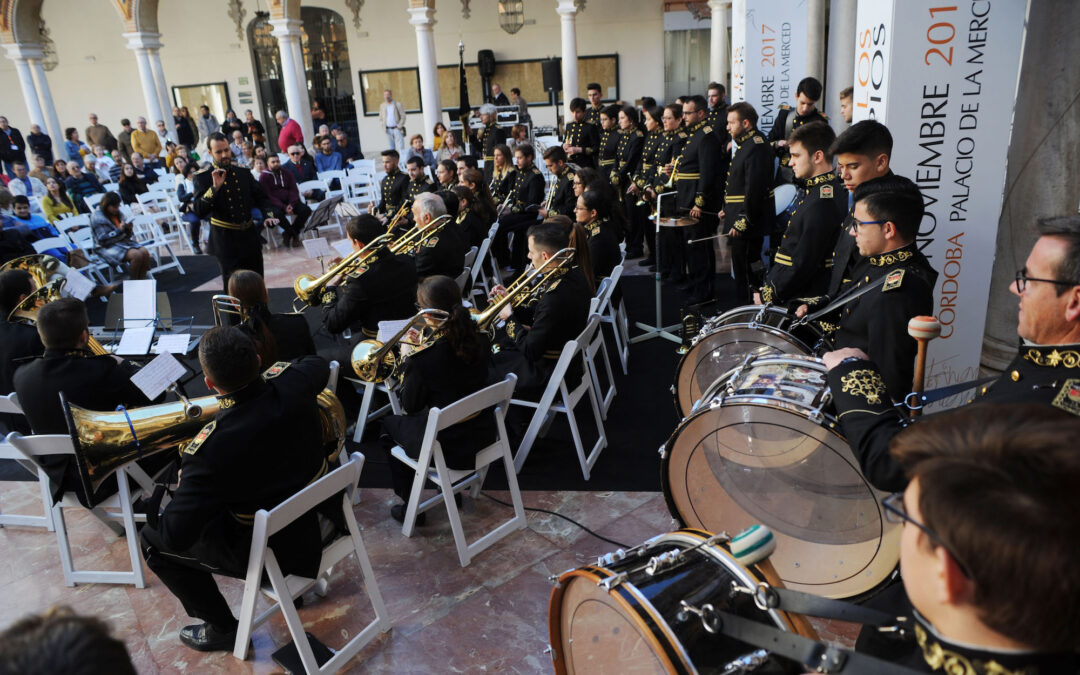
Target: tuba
[[529, 287], [309, 288], [106, 440], [410, 242], [44, 268], [375, 361]]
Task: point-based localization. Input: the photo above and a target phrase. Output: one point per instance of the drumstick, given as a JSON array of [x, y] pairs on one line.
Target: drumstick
[[715, 236], [923, 329], [704, 212], [752, 547]]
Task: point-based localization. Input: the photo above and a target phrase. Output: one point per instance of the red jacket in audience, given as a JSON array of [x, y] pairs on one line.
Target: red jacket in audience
[[280, 188]]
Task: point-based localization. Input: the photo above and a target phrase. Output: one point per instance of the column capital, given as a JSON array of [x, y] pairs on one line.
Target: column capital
[[718, 5], [286, 28], [422, 17], [567, 8], [24, 51], [143, 40]]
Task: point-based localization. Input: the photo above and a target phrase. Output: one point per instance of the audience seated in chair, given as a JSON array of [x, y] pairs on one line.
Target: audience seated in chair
[[114, 239]]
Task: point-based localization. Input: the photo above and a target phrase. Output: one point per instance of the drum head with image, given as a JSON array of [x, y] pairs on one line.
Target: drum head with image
[[757, 458]]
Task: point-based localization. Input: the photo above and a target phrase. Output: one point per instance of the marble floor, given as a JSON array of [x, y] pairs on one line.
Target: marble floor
[[488, 617]]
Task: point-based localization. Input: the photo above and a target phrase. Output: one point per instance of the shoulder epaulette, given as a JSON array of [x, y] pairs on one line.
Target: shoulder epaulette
[[824, 116], [1068, 399], [785, 106], [707, 129], [826, 192], [639, 133], [893, 281], [759, 139], [200, 438], [275, 370], [682, 134]]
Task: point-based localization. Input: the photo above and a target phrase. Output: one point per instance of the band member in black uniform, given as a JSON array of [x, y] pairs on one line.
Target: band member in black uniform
[[226, 194], [471, 224], [645, 175], [561, 198], [592, 114], [988, 507], [262, 448], [502, 168], [489, 136], [627, 159], [534, 336], [18, 341], [278, 337], [1045, 370], [525, 191], [392, 187], [582, 138], [419, 182], [716, 115], [696, 182], [672, 244], [593, 212], [93, 382], [800, 266], [807, 94], [452, 366], [609, 145], [442, 253], [381, 290], [748, 200]]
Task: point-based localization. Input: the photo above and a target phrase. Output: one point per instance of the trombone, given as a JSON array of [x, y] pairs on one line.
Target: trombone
[[528, 287], [375, 361], [411, 241], [405, 207], [309, 288]]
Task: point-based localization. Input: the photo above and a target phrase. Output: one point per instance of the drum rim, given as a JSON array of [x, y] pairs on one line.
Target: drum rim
[[803, 360]]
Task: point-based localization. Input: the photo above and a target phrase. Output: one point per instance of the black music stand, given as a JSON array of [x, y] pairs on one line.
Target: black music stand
[[658, 330]]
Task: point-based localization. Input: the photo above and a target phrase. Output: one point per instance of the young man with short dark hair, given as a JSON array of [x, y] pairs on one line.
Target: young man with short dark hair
[[748, 214], [596, 106], [526, 193], [846, 97], [807, 94], [581, 138]]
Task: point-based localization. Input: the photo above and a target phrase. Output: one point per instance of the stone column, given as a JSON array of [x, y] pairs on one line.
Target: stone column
[[287, 31], [54, 129], [22, 54], [142, 44], [815, 39], [423, 18], [163, 92], [567, 10], [719, 60], [841, 72]]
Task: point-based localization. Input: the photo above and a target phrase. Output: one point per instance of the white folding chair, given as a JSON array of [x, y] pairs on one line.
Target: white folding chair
[[362, 166], [331, 382], [161, 204], [360, 189], [598, 348], [568, 400], [431, 465], [615, 317], [366, 415], [111, 187], [463, 279], [117, 508], [9, 405], [148, 233], [83, 239], [284, 590], [42, 245], [93, 200], [470, 257], [481, 284], [312, 185]]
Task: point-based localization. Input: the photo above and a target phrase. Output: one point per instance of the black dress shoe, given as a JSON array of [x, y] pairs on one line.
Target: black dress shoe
[[206, 638], [634, 253], [397, 512]]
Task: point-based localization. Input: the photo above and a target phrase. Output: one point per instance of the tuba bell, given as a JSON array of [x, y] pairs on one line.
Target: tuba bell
[[44, 268], [26, 311]]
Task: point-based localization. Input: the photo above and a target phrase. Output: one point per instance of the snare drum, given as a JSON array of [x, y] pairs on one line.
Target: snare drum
[[725, 341], [624, 614], [762, 446]]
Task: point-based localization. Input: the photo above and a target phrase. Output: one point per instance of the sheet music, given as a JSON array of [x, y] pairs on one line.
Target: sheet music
[[318, 248], [78, 286], [343, 247], [135, 341], [140, 303], [388, 329], [155, 377], [173, 344]]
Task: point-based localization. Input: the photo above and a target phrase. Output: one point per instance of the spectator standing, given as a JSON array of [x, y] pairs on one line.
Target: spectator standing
[[291, 134], [123, 140], [185, 135], [254, 130], [12, 146], [40, 144], [318, 115], [190, 120], [163, 133], [523, 107], [74, 147], [99, 134], [81, 185], [206, 123], [144, 142], [497, 95], [232, 123], [56, 201], [392, 119]]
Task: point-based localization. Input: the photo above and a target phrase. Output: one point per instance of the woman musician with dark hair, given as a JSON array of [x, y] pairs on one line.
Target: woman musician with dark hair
[[277, 337]]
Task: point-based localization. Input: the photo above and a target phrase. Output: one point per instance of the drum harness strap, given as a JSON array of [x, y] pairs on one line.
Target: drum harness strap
[[843, 299]]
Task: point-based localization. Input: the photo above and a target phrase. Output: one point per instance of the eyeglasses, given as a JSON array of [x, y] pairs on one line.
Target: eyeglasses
[[294, 154], [896, 512], [855, 222], [1022, 279]]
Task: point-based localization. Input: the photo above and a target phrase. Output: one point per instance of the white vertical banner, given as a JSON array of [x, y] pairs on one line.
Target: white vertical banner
[[942, 75], [768, 54]]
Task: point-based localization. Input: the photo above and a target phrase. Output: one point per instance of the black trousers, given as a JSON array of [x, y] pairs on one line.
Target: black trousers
[[236, 250], [746, 264], [635, 220], [459, 443], [189, 575], [302, 212], [701, 258]]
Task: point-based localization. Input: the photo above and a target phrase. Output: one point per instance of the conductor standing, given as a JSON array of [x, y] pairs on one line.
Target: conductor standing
[[227, 195]]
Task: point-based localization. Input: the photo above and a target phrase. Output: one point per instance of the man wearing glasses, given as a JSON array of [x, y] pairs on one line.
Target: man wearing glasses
[[1046, 368], [988, 552]]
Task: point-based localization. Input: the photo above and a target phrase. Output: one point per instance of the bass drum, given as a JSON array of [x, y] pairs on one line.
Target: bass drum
[[623, 615], [762, 447], [726, 340]]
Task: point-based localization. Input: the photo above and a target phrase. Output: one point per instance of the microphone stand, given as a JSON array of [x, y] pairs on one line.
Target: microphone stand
[[657, 330]]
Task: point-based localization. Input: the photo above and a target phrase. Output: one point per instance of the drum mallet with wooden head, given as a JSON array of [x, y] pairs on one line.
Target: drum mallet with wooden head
[[752, 548], [923, 329]]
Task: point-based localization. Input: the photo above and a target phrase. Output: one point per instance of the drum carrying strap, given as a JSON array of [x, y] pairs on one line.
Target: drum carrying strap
[[844, 299], [813, 605], [925, 399]]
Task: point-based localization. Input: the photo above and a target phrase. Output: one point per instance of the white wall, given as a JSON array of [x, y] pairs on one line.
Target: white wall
[[201, 46]]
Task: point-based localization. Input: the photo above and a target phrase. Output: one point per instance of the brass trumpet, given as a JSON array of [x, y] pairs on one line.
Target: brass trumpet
[[411, 241], [405, 208], [309, 288], [674, 170], [375, 361], [529, 286]]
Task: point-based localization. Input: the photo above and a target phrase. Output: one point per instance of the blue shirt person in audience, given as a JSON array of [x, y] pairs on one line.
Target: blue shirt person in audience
[[81, 185], [39, 227]]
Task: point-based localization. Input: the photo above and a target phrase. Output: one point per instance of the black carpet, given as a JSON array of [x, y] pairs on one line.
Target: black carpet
[[640, 420]]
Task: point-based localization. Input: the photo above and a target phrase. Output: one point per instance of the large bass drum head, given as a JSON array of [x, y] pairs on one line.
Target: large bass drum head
[[759, 459]]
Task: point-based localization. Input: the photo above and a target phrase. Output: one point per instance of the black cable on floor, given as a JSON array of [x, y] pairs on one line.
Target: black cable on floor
[[559, 515]]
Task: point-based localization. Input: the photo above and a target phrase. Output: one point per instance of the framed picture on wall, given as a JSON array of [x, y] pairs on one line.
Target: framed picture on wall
[[214, 95]]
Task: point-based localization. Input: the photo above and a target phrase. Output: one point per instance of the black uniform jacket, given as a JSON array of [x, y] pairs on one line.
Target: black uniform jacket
[[801, 266], [293, 336], [262, 448], [442, 253], [592, 115], [564, 200], [1048, 374], [436, 377], [877, 321], [608, 155], [487, 138], [627, 158], [604, 250], [527, 188], [392, 193], [585, 136], [472, 227], [383, 291], [18, 344], [415, 187], [230, 206], [787, 120], [748, 197], [656, 142], [91, 382], [696, 175]]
